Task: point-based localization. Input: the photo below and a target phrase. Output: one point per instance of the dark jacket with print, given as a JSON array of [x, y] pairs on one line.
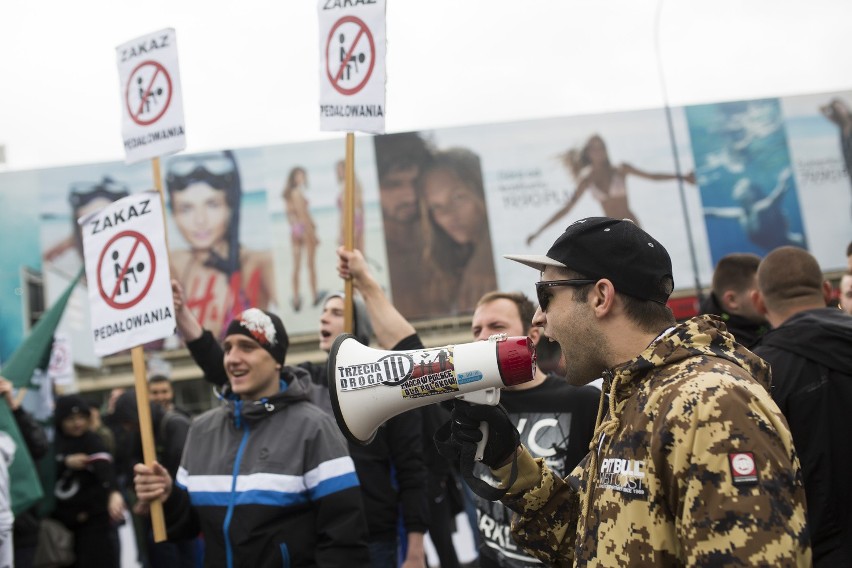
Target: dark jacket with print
[[82, 494]]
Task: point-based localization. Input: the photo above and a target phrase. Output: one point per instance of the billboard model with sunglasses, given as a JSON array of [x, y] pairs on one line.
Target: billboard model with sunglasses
[[219, 275]]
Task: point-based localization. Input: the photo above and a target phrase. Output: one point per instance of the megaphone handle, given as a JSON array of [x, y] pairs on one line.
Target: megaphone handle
[[480, 447], [491, 397]]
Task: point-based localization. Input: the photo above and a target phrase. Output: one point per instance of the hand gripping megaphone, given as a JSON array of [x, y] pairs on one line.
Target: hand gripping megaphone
[[371, 386]]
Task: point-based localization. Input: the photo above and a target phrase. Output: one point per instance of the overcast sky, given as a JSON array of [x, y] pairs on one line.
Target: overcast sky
[[249, 69]]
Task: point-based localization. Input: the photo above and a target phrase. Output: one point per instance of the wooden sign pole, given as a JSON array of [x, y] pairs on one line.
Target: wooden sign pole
[[143, 405], [349, 229]]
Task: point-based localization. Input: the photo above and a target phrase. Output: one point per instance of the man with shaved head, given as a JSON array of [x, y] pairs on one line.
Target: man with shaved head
[[810, 352]]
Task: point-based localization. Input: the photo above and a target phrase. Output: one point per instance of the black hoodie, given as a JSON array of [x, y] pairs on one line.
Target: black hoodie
[[811, 359], [744, 330]]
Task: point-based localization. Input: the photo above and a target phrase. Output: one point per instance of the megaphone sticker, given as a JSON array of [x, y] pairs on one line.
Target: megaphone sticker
[[390, 370], [426, 372], [469, 377], [433, 373]]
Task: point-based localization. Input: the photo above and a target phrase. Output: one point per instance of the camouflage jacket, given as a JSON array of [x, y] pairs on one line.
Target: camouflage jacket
[[693, 465]]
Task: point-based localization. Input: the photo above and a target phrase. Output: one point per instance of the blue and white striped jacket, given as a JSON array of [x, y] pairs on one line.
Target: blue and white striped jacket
[[269, 483]]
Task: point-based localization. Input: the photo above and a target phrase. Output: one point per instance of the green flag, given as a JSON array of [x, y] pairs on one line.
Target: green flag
[[34, 352], [23, 476]]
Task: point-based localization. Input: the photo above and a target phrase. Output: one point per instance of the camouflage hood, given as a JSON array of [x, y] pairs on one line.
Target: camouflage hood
[[702, 335]]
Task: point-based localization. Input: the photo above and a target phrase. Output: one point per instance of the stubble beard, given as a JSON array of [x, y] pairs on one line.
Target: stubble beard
[[585, 363]]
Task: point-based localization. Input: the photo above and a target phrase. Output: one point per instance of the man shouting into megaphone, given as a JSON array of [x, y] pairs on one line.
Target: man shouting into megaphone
[[691, 463]]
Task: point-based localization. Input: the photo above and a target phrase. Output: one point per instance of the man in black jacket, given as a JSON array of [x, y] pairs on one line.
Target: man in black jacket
[[810, 351], [390, 468], [170, 431], [734, 280], [395, 333]]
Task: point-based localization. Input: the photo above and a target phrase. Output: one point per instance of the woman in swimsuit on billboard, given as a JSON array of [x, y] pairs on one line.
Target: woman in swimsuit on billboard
[[303, 233], [593, 171]]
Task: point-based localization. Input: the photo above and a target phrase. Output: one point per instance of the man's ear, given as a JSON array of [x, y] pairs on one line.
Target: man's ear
[[826, 291], [759, 304], [603, 297], [729, 301]]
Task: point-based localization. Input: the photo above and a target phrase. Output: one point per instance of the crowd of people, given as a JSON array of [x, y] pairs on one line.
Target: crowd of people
[[713, 441]]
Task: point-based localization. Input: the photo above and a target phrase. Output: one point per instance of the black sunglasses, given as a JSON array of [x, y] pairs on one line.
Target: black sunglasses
[[544, 296]]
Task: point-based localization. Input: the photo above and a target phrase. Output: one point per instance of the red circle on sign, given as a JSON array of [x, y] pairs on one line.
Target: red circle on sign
[[157, 70], [363, 30], [140, 239], [58, 358]]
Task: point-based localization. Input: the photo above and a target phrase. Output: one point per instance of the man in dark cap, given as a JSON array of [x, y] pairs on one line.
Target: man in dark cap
[[691, 462], [88, 502], [266, 476]]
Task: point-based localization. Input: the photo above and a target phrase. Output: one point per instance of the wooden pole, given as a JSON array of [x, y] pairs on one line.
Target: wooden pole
[[146, 428], [349, 229], [143, 405], [158, 185]]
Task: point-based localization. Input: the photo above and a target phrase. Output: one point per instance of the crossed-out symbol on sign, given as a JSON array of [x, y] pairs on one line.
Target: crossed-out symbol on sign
[[58, 357], [348, 69], [126, 277], [148, 93]]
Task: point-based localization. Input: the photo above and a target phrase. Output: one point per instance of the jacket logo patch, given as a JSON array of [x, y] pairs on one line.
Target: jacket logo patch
[[743, 468], [624, 476]]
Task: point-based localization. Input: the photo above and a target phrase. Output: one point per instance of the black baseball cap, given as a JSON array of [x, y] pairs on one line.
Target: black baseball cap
[[615, 249]]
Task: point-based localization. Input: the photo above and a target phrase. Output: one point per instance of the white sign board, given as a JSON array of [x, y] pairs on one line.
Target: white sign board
[[352, 65], [152, 122], [127, 272], [61, 366]]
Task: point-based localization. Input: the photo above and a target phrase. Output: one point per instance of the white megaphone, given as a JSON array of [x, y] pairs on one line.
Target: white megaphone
[[372, 386]]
